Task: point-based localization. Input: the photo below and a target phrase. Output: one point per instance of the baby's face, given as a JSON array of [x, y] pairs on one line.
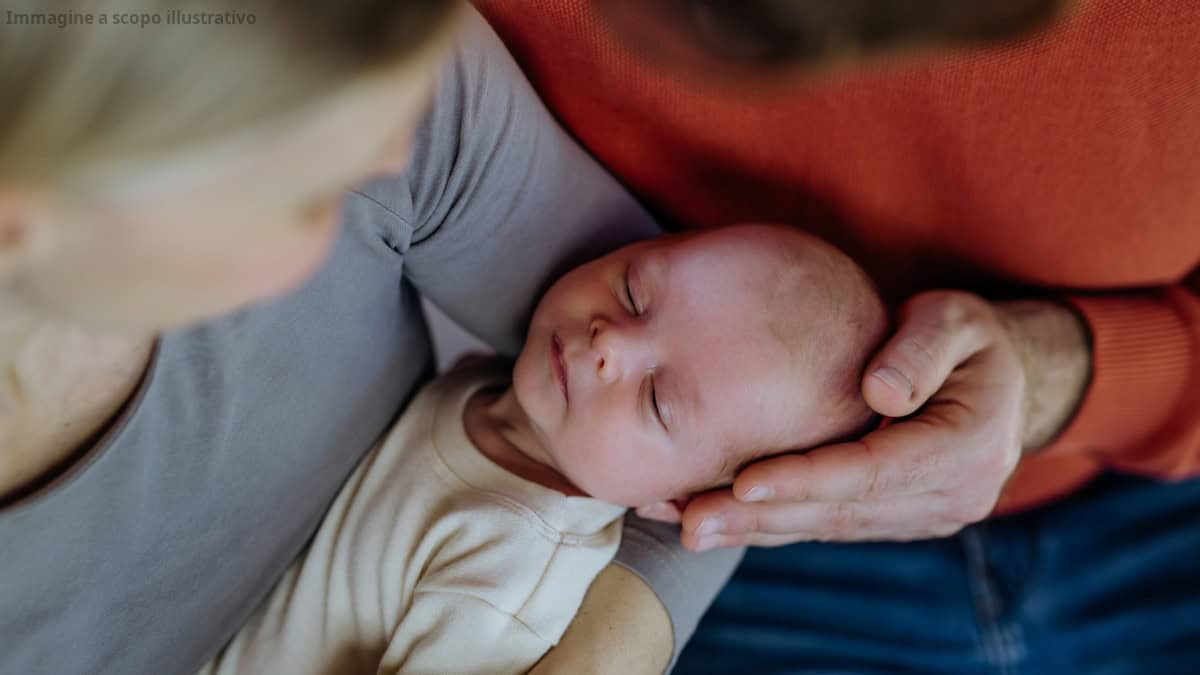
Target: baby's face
[[651, 373]]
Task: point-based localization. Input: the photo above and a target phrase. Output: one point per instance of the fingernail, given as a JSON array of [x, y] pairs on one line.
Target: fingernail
[[706, 543], [758, 493], [655, 510], [710, 525], [892, 378]]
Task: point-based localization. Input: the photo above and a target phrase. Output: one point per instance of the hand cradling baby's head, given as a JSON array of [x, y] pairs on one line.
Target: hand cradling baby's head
[[662, 368]]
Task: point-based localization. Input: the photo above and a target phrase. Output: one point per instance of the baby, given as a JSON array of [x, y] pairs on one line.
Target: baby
[[466, 540]]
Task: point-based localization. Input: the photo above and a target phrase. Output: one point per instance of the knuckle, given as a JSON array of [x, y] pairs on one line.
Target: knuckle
[[921, 354], [999, 460], [874, 482], [754, 521], [796, 490], [959, 312], [934, 300], [842, 520], [947, 308], [953, 311], [734, 520], [991, 463]]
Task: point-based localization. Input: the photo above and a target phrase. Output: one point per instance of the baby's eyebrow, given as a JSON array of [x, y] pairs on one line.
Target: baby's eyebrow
[[654, 268]]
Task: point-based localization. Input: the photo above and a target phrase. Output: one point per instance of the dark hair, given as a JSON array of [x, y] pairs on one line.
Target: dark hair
[[784, 32]]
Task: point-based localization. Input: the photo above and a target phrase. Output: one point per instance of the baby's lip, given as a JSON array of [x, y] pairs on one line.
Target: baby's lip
[[559, 365]]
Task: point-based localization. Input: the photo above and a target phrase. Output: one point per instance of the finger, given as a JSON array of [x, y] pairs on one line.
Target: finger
[[699, 544], [835, 520], [658, 511], [938, 331], [840, 472], [901, 460], [943, 450], [771, 540], [718, 514], [704, 515]]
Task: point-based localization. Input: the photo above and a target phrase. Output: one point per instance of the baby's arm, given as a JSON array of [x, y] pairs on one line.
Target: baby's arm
[[621, 628], [456, 632]]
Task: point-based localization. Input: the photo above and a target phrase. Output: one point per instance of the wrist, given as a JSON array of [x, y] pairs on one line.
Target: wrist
[[1054, 346]]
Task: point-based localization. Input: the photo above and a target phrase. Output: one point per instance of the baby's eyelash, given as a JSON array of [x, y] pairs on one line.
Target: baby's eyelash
[[629, 292], [654, 404]]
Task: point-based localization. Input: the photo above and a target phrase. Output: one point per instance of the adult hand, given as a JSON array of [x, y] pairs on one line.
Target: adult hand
[[984, 381]]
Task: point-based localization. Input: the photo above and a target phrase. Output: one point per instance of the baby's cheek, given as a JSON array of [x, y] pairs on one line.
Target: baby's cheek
[[590, 462], [641, 478], [595, 467]]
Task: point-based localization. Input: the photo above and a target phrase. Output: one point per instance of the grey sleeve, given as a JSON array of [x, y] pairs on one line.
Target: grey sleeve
[[497, 203], [685, 582], [499, 200]]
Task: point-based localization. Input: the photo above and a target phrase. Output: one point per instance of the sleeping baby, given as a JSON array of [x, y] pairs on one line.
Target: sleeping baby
[[466, 539]]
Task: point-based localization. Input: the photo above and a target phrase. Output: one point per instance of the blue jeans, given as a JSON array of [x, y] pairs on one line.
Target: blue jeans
[[1107, 581]]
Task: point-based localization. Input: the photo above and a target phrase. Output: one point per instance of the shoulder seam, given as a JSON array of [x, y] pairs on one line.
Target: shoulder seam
[[484, 601]]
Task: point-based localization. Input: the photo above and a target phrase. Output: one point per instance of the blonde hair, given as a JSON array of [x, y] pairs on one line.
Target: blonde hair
[[84, 86]]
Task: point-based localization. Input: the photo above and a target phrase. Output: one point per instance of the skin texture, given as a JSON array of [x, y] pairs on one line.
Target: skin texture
[[143, 280], [960, 364], [90, 272], [671, 365], [1037, 358], [147, 248], [1051, 339], [607, 636], [627, 317]]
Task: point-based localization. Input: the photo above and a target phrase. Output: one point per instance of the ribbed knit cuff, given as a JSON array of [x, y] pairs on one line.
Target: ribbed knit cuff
[[1142, 359]]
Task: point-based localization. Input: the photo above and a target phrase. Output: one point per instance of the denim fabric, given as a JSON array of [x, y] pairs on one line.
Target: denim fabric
[[1106, 582]]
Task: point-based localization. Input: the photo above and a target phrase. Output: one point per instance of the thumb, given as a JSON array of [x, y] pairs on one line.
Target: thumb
[[938, 331]]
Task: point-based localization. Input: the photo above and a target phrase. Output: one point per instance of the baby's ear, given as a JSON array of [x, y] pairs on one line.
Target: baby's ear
[[667, 511]]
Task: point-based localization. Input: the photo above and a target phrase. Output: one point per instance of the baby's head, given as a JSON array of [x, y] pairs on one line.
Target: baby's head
[[659, 370]]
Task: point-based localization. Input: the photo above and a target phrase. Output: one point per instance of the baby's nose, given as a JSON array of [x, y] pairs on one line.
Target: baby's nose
[[615, 349]]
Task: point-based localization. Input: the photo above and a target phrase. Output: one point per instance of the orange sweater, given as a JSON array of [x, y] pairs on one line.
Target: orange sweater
[[1069, 164]]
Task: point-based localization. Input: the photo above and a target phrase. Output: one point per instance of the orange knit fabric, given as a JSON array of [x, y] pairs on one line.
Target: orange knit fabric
[[1068, 164]]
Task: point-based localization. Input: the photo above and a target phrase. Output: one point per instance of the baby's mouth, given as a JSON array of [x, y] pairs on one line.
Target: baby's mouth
[[558, 365]]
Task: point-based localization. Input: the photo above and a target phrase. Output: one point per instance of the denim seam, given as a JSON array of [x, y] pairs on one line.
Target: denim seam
[[1002, 640]]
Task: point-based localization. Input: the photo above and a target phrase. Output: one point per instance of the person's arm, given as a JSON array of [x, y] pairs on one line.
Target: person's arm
[[498, 200], [1139, 411], [683, 581], [620, 628], [985, 382], [1054, 347], [622, 621]]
